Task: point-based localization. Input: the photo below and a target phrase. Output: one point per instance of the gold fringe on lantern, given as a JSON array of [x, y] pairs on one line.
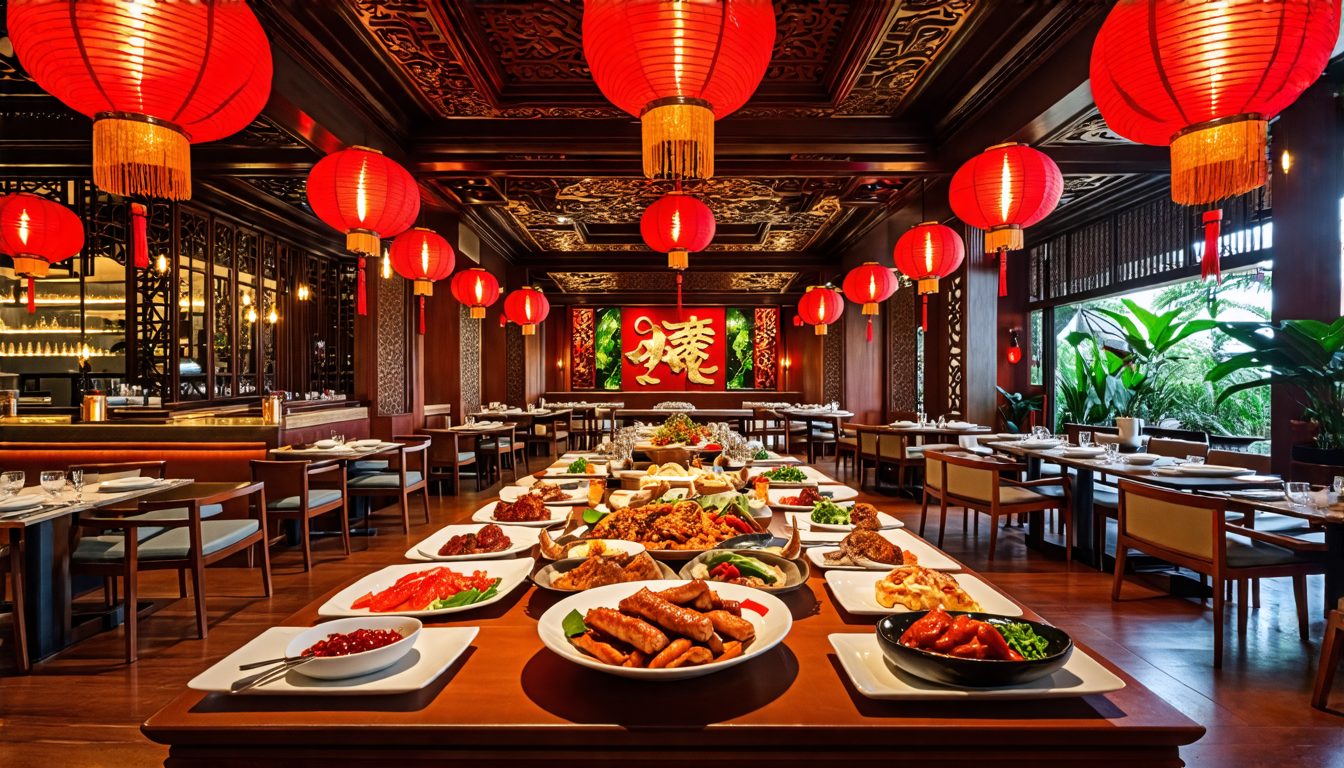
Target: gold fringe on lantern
[[1008, 236], [423, 288], [678, 139], [138, 155], [28, 266], [820, 329], [478, 313], [870, 308], [678, 259], [362, 241], [1219, 159], [928, 285], [529, 330]]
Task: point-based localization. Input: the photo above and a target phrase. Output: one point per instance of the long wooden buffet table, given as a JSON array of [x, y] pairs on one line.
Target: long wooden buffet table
[[509, 701]]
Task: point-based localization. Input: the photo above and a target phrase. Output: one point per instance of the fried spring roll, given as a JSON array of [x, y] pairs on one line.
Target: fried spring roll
[[732, 626], [715, 644], [673, 650], [731, 649], [694, 657], [685, 593], [627, 629], [669, 616], [599, 650]]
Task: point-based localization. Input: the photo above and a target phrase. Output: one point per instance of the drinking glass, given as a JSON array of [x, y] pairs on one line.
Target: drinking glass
[[1193, 459], [338, 437], [10, 484], [1298, 493], [763, 489], [77, 480], [1112, 452], [53, 482], [1085, 439], [1338, 485], [471, 421]]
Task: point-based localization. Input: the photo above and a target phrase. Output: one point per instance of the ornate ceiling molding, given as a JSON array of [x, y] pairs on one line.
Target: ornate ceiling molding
[[665, 282], [1088, 129], [1080, 186], [288, 189]]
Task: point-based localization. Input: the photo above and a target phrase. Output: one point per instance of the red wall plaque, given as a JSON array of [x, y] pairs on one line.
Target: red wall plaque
[[663, 350]]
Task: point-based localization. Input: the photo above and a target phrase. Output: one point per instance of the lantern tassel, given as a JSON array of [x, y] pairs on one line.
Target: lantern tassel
[[924, 320], [361, 303], [422, 315], [1003, 272], [870, 329], [135, 156], [678, 296], [32, 296], [139, 236], [1219, 159], [1213, 226], [678, 138]]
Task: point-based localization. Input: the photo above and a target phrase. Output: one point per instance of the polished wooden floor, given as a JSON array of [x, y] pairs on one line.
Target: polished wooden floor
[[84, 708]]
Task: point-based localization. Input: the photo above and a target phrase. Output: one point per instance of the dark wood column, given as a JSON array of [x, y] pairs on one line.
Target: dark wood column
[[386, 348]]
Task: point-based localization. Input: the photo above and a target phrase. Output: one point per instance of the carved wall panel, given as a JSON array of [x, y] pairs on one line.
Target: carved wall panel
[[515, 360], [902, 311], [666, 282], [833, 368], [469, 346], [765, 347], [392, 349], [582, 362], [956, 344], [539, 43]]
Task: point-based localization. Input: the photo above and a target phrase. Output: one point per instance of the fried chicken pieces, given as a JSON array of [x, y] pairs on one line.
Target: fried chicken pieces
[[680, 525], [528, 508], [598, 571], [682, 626], [863, 547]]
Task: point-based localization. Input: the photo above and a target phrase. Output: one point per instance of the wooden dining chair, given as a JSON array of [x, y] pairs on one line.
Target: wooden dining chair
[[768, 427], [496, 445], [549, 431], [404, 476], [1332, 648], [12, 552], [866, 454], [796, 435], [846, 448], [100, 473], [1167, 446], [1191, 531], [447, 459], [301, 491], [114, 547], [979, 484]]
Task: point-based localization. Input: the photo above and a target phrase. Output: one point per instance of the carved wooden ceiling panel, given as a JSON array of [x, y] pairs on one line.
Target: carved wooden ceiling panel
[[1089, 128], [665, 282], [1080, 186]]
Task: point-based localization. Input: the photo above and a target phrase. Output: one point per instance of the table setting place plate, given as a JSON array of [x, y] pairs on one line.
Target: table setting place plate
[[427, 549], [1260, 495], [856, 592], [960, 425], [1211, 470], [873, 676], [836, 493], [577, 496], [767, 613], [21, 503], [929, 555], [486, 514], [121, 484], [1080, 452], [813, 533], [1039, 443], [903, 425], [511, 573], [435, 649]]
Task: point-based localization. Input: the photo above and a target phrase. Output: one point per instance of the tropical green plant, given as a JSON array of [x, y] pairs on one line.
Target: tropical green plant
[[1089, 394], [607, 348], [1017, 408], [1305, 354], [739, 350]]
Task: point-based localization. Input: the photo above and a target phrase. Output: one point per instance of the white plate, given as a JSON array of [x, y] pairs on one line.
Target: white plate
[[770, 628], [1212, 470], [327, 444], [903, 425], [806, 526], [836, 493], [811, 476], [434, 651], [856, 592], [929, 555], [811, 534], [1039, 444], [873, 676], [577, 497], [427, 550], [1077, 451], [486, 514], [128, 484], [510, 572], [367, 443], [353, 665], [1139, 459], [20, 503], [960, 425]]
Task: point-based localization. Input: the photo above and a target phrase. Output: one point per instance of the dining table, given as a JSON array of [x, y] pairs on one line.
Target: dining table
[[1330, 518]]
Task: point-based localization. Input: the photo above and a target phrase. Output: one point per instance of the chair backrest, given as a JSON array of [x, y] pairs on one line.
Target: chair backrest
[[1193, 435], [892, 447], [414, 450], [1165, 446], [868, 439], [1259, 462], [970, 478], [767, 417], [1180, 523], [437, 421], [98, 473], [443, 446], [1106, 439], [935, 470], [282, 478]]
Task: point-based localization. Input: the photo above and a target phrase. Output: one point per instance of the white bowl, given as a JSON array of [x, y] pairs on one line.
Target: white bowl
[[325, 444], [356, 664], [1140, 459], [368, 443]]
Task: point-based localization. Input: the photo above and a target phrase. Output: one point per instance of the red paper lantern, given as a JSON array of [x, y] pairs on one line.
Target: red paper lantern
[[475, 288], [927, 253], [869, 284], [36, 232], [1003, 189], [677, 224], [367, 196], [527, 307], [820, 306], [678, 65], [1206, 78], [1014, 353], [155, 77], [422, 255]]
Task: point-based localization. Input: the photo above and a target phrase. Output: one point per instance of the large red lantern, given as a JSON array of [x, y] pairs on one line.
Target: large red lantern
[[820, 306], [422, 255], [927, 253], [476, 289], [1206, 78], [1003, 189], [366, 195], [527, 307], [155, 77], [869, 284], [678, 65], [36, 233]]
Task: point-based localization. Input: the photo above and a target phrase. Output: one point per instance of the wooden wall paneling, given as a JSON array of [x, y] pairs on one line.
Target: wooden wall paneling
[[863, 385], [980, 304], [900, 317], [536, 363]]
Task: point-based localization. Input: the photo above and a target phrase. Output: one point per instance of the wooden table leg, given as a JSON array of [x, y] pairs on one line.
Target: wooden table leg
[[19, 600], [1334, 567]]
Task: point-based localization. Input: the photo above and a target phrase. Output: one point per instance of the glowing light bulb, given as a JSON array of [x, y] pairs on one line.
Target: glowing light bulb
[[361, 204], [272, 317], [161, 263], [1005, 189], [1286, 161], [23, 226], [387, 265]]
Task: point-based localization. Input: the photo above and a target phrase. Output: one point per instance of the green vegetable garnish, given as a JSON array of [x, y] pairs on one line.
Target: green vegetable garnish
[[747, 566], [1023, 639], [728, 502], [827, 512], [578, 467], [573, 625], [467, 597], [592, 516], [786, 475], [761, 455]]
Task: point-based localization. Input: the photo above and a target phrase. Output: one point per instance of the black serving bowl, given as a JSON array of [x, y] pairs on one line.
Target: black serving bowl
[[971, 673]]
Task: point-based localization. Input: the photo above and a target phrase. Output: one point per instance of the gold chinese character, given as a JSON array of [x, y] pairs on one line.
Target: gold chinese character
[[685, 349]]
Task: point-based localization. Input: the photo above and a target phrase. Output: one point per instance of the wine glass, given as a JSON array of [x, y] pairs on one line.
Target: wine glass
[[53, 482], [11, 483], [1084, 439], [77, 480], [1298, 493]]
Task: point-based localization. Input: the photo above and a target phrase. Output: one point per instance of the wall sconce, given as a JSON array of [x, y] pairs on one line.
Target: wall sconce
[[161, 263], [250, 315], [1286, 161], [1014, 353], [303, 292], [247, 299], [787, 363], [272, 317], [560, 364], [387, 265]]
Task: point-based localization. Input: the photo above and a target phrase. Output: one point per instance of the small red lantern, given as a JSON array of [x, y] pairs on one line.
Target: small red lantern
[[1206, 78], [1003, 189], [1014, 353], [678, 65], [927, 253], [36, 232], [422, 255], [869, 284], [527, 307], [820, 306], [677, 224], [475, 288], [367, 196], [155, 77]]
